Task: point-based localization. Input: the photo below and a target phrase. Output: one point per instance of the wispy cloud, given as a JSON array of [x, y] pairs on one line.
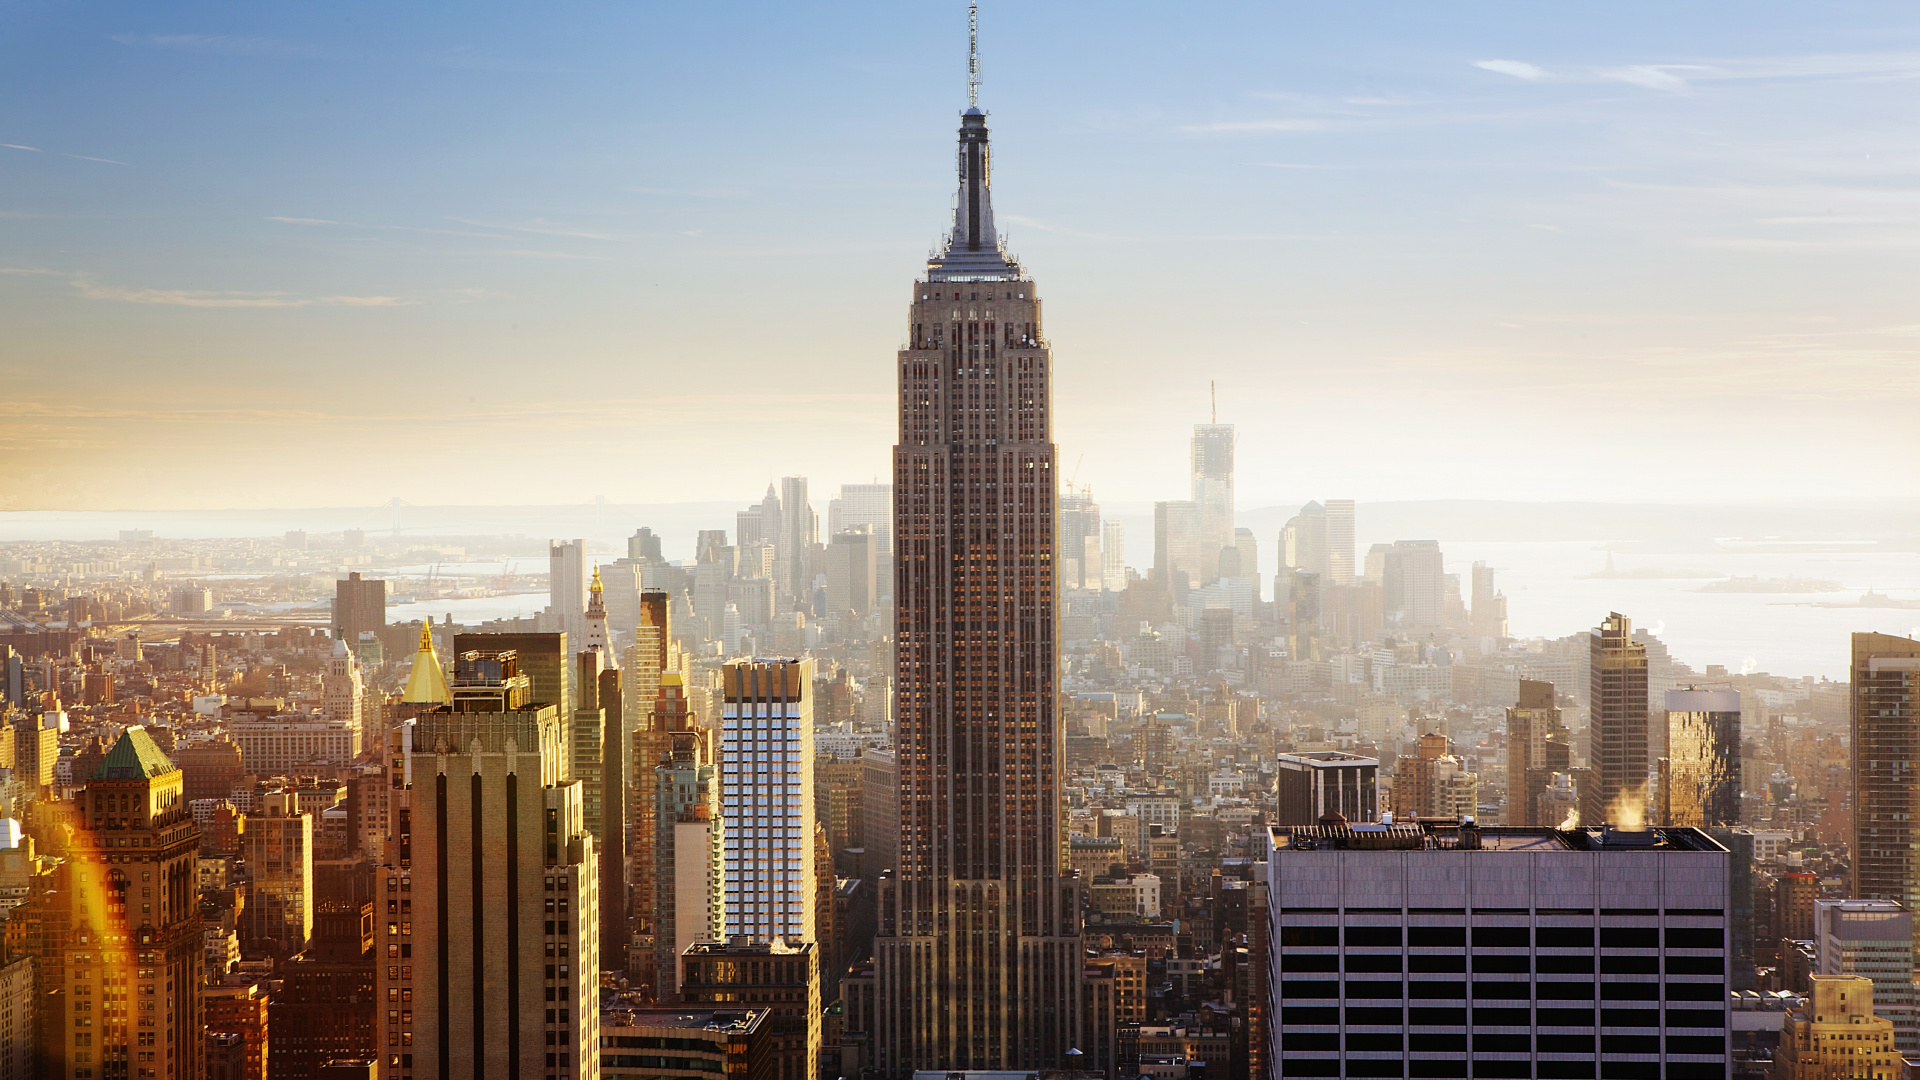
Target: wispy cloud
[[17, 146], [102, 160], [1653, 76], [1281, 124], [524, 253], [541, 227], [1679, 75], [204, 298], [86, 287], [732, 194], [305, 220], [1519, 69]]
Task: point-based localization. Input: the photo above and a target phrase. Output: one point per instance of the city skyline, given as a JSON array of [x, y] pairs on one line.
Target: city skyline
[[1673, 219], [647, 719]]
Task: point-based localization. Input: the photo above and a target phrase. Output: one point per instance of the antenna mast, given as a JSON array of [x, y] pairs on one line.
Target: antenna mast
[[973, 55], [1213, 396]]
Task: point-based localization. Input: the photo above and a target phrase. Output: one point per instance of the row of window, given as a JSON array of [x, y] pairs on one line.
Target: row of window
[[1480, 1067], [1503, 937], [1520, 963], [1485, 1043], [1504, 989], [1502, 1016]]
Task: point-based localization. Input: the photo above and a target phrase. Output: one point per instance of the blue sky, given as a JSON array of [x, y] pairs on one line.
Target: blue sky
[[258, 255]]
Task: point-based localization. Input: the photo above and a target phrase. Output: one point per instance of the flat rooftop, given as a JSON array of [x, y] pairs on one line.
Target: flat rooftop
[[1453, 835], [615, 1016]]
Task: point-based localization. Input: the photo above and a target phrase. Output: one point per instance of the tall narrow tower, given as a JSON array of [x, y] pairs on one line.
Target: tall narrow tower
[[1617, 722], [978, 951]]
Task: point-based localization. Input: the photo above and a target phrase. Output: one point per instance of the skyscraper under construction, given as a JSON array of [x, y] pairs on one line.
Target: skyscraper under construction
[[978, 952]]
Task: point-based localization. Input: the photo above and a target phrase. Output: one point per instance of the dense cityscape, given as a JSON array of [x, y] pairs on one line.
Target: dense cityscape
[[944, 775]]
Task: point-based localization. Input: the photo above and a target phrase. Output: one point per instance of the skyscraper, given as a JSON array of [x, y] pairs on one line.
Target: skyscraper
[[1339, 515], [504, 896], [689, 890], [799, 531], [1617, 722], [1079, 541], [851, 563], [1113, 555], [1537, 747], [359, 606], [1700, 776], [1886, 739], [567, 586], [978, 949], [128, 964], [1210, 470], [278, 847], [864, 504], [1489, 610], [1414, 582], [653, 655], [766, 797], [1178, 562], [1303, 541]]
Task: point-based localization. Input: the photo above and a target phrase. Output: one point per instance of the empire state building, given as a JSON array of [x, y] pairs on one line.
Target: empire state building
[[978, 951]]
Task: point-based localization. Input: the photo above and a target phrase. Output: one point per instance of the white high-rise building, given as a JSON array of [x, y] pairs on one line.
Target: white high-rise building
[[766, 797], [864, 504], [1415, 578], [1113, 555], [1211, 459], [1339, 516], [567, 586]]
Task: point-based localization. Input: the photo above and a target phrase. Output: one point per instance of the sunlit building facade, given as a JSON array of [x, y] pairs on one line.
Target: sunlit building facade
[[1700, 776]]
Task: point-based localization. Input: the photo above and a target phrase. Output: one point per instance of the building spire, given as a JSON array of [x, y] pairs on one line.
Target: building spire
[[973, 55], [972, 251]]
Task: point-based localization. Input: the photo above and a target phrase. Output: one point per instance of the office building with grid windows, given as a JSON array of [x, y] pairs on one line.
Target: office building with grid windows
[[1450, 950]]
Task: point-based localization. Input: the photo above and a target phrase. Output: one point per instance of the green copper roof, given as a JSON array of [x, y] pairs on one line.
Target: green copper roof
[[135, 756]]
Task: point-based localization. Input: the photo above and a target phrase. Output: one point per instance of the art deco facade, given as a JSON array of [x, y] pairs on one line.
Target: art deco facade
[[500, 948], [978, 951]]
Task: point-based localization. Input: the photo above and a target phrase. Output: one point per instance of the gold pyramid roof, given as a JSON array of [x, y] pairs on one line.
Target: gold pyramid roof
[[426, 682]]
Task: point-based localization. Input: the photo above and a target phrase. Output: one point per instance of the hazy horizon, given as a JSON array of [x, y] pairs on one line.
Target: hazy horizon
[[651, 253]]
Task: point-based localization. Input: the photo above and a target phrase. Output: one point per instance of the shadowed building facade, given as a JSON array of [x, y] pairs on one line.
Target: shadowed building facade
[[978, 950], [1886, 741]]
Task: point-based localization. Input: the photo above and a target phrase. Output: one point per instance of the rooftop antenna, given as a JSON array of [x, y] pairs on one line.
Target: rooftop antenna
[[973, 55], [1213, 397]]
